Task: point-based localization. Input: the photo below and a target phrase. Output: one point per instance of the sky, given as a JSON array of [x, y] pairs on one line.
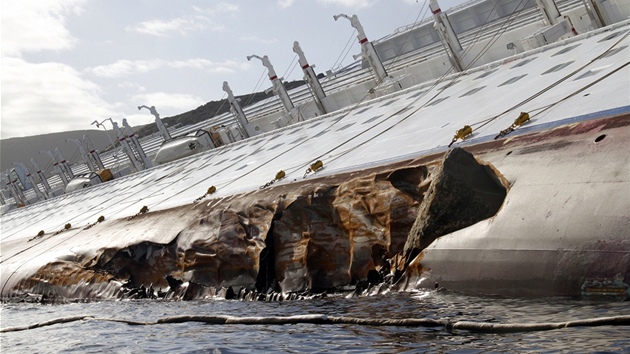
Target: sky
[[66, 63]]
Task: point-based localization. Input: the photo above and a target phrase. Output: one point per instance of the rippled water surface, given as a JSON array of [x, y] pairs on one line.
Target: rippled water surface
[[191, 337]]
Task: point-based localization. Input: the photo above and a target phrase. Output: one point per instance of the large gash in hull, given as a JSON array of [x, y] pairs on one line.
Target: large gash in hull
[[227, 217], [564, 222]]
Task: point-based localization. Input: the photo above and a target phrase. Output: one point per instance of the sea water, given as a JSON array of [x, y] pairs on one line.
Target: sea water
[[195, 337]]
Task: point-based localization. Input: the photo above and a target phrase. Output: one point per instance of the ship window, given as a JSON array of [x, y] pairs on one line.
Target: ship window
[[487, 73], [524, 62], [242, 167], [388, 103], [291, 132], [614, 51], [438, 101], [512, 80], [345, 127], [566, 50], [373, 119], [610, 36], [417, 94], [208, 158], [257, 142], [448, 85], [557, 68], [320, 133], [591, 72], [239, 157], [316, 124], [276, 146], [297, 140], [222, 161], [274, 137], [362, 111], [475, 90], [404, 110]]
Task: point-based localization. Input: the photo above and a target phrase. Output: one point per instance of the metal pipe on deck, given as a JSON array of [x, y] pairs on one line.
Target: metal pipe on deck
[[42, 178], [16, 192], [83, 153], [549, 11], [235, 108], [58, 170], [96, 159], [603, 12], [100, 124], [278, 87], [367, 48], [324, 105], [122, 139], [31, 181], [146, 161], [64, 164], [446, 32], [161, 127]]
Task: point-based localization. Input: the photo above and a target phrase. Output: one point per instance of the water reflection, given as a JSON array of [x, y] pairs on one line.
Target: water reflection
[[99, 336]]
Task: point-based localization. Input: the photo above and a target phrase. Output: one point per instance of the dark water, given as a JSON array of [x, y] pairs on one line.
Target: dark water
[[194, 337]]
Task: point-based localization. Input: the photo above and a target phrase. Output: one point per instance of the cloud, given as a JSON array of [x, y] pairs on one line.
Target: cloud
[[201, 20], [285, 3], [48, 97], [167, 104], [131, 85], [180, 102], [226, 66], [181, 25], [126, 67], [257, 39], [356, 4], [224, 7], [33, 25]]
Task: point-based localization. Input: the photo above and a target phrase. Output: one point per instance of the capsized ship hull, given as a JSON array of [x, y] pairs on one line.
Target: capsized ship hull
[[224, 217], [553, 232]]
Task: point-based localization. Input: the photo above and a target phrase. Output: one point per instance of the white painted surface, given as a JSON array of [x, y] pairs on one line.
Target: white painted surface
[[349, 139]]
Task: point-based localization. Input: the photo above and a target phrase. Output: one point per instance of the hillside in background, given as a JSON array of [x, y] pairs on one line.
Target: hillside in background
[[24, 148]]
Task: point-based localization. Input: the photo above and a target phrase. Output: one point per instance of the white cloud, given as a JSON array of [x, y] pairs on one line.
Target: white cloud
[[257, 39], [357, 4], [224, 7], [34, 25], [226, 66], [48, 97], [126, 67], [202, 20], [181, 25], [131, 85], [285, 3], [167, 104], [221, 8]]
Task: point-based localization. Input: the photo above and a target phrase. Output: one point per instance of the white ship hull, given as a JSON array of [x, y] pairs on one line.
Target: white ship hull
[[565, 219]]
